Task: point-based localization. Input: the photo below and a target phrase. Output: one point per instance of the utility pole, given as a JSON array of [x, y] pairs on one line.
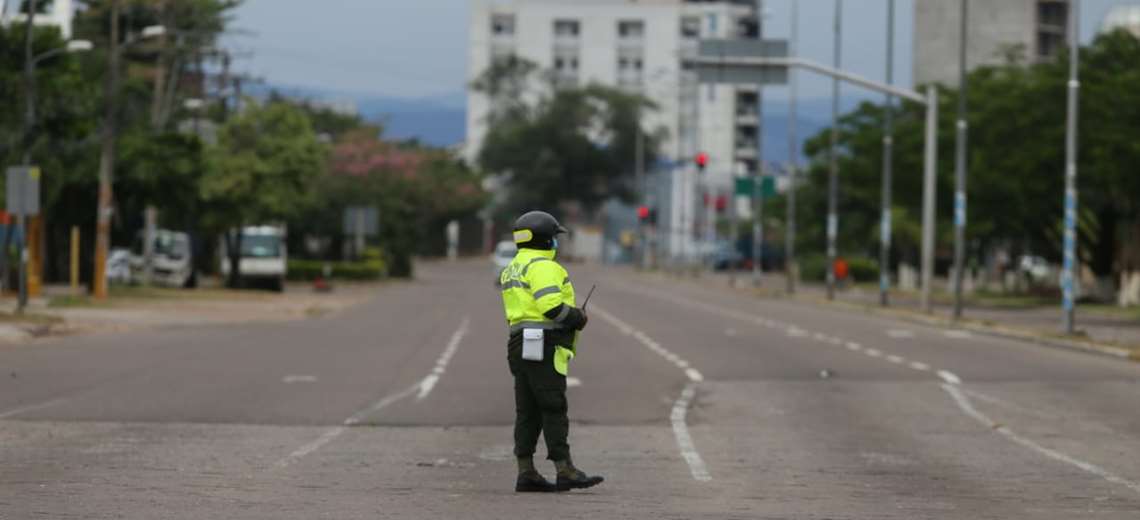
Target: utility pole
[[960, 167], [107, 161], [929, 194], [1068, 277], [642, 195], [888, 158], [833, 174], [156, 118], [29, 129], [791, 270], [758, 186]]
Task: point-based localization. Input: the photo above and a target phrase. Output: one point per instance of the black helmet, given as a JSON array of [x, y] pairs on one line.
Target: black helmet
[[537, 229]]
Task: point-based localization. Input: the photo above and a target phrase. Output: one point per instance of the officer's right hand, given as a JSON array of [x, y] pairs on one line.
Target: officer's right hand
[[576, 319]]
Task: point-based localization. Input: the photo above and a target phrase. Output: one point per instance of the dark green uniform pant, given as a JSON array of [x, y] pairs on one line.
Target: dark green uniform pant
[[540, 405]]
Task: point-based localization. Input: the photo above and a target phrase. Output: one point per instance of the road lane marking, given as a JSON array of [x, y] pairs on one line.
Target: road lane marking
[[967, 407], [900, 333], [957, 334], [421, 389], [898, 360], [854, 347], [921, 367], [797, 332], [949, 377], [681, 432], [1006, 404], [429, 382], [873, 352], [290, 379], [31, 407], [680, 407]]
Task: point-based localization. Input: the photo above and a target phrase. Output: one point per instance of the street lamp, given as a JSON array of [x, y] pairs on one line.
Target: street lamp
[[30, 62], [107, 156]]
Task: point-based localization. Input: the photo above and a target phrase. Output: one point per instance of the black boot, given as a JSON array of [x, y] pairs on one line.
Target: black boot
[[570, 477], [533, 482]]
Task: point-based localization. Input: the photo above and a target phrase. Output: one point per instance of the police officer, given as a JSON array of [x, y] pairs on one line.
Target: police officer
[[544, 323]]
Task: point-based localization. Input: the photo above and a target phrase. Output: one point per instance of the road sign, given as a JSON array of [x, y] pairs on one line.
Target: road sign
[[23, 190], [714, 66], [744, 186], [362, 220]]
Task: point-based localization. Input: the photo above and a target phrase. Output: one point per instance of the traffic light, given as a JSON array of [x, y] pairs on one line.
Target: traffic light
[[643, 213], [702, 161]]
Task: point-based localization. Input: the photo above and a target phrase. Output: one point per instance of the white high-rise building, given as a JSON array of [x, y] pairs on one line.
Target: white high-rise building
[[59, 13], [636, 45], [1036, 28]]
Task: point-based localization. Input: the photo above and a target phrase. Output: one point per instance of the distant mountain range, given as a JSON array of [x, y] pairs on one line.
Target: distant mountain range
[[441, 120]]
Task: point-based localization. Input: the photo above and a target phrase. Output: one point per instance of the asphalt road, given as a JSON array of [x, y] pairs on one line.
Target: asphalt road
[[694, 401]]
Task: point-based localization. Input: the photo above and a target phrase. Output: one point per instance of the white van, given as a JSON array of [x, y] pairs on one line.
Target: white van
[[264, 258], [173, 259]]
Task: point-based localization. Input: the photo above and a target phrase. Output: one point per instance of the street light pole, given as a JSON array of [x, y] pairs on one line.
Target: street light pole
[[1068, 277], [888, 157], [107, 161], [833, 174], [758, 186], [29, 123], [960, 167], [791, 270]]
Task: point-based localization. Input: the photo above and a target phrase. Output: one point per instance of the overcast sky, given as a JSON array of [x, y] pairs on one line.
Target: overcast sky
[[417, 48]]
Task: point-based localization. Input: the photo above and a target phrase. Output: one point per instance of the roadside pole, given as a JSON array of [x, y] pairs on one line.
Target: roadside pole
[[929, 189], [642, 258], [1069, 276], [833, 169], [960, 167], [106, 162], [757, 189], [74, 260], [888, 158], [791, 269]]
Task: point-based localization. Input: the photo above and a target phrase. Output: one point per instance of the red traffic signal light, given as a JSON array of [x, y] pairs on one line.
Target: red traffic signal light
[[702, 160], [643, 212]]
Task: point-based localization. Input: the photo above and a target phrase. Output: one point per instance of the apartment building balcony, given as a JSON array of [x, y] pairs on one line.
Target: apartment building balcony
[[746, 150], [747, 118]]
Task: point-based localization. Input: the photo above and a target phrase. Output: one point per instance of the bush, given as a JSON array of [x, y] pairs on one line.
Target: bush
[[308, 270], [860, 268]]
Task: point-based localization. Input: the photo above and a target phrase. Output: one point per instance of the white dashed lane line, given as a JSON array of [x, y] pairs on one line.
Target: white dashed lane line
[[952, 384], [680, 407], [421, 390]]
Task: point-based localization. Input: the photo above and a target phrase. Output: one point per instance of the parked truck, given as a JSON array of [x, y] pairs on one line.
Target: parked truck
[[172, 260], [264, 258]]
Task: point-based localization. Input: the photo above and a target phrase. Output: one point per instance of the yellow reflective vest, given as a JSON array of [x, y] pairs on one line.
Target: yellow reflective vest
[[532, 285]]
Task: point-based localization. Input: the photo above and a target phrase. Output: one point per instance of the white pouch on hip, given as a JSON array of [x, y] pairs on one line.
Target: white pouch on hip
[[532, 344]]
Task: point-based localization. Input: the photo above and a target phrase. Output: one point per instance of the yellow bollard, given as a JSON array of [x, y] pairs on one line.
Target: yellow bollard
[[74, 260]]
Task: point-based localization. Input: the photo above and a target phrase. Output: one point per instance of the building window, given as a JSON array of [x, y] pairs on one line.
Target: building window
[[1052, 14], [691, 27], [503, 24], [631, 30], [566, 28], [1048, 43]]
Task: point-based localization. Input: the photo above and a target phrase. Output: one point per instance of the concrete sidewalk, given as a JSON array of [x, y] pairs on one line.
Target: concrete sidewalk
[[1095, 327]]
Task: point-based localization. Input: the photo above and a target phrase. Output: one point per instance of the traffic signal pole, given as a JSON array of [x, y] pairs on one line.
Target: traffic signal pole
[[930, 162], [833, 170]]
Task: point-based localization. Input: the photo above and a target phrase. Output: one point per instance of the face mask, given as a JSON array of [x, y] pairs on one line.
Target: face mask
[[554, 243]]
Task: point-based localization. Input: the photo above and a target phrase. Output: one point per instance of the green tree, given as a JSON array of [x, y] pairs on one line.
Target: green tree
[[1016, 161], [569, 146], [416, 190], [262, 171]]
